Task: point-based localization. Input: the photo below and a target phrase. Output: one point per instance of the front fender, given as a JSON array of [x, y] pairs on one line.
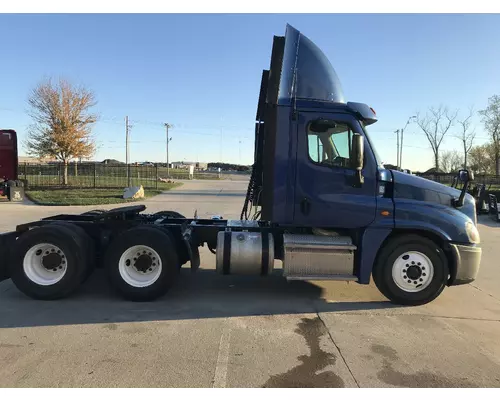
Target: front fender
[[444, 221]]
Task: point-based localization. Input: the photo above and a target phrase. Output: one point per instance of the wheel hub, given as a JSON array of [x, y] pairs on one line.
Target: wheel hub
[[143, 263], [52, 261], [414, 272]]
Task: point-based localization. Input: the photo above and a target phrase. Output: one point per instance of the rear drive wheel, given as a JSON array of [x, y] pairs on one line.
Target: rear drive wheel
[[411, 270], [86, 243], [142, 263], [48, 262]]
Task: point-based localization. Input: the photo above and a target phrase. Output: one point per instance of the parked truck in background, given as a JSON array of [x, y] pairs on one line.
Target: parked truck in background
[[10, 186], [318, 199]]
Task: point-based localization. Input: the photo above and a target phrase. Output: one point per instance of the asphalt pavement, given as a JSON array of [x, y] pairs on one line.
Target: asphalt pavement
[[230, 331]]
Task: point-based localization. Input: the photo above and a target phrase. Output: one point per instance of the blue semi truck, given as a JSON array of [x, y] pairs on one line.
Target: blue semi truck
[[319, 199]]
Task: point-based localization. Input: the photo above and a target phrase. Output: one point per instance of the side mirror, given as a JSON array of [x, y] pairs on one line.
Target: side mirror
[[357, 157], [465, 175]]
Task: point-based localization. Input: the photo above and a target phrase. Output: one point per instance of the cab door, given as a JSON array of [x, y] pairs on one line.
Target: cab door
[[326, 193]]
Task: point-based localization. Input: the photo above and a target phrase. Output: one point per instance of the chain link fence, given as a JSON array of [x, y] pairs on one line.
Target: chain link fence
[[104, 176]]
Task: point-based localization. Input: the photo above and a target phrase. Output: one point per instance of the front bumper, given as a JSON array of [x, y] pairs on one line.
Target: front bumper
[[467, 260]]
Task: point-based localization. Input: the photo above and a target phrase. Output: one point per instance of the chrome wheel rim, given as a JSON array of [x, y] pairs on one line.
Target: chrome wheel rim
[[45, 264], [412, 271], [140, 266]]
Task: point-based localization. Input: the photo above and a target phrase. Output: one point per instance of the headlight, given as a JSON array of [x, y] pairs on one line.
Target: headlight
[[472, 232]]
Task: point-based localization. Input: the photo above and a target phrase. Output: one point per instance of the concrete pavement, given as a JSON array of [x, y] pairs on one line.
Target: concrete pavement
[[213, 330]]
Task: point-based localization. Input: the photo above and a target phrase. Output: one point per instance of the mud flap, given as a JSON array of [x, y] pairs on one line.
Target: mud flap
[[192, 248], [7, 241]]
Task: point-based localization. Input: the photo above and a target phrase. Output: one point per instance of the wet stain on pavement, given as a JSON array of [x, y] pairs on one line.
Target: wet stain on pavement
[[307, 374], [419, 379], [385, 351]]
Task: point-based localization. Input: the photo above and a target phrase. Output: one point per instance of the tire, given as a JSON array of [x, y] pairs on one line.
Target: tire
[[415, 255], [127, 277], [30, 275], [94, 212], [87, 243], [169, 214]]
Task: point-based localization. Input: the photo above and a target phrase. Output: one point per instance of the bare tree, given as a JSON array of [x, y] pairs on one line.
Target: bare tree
[[450, 161], [62, 122], [467, 134], [491, 120], [435, 124]]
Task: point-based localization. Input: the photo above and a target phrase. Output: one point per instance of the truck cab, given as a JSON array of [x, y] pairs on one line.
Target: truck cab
[[309, 173]]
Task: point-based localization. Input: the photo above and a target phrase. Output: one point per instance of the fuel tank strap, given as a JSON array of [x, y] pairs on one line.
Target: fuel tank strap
[[226, 256], [265, 254]]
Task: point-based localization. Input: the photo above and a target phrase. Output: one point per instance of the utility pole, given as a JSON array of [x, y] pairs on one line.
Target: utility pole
[[401, 150], [167, 127], [127, 148], [397, 151]]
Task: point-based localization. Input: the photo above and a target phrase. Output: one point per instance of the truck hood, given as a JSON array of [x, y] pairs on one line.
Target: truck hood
[[412, 187]]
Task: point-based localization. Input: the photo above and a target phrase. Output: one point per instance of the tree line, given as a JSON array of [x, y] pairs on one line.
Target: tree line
[[438, 122]]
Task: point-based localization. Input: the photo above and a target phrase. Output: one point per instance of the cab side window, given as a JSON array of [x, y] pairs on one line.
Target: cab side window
[[329, 143]]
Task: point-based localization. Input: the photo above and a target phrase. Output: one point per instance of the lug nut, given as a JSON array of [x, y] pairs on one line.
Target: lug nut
[[409, 281], [405, 277], [415, 282], [421, 280], [46, 252], [38, 252], [423, 268], [55, 270], [423, 275], [404, 270], [150, 269], [150, 253]]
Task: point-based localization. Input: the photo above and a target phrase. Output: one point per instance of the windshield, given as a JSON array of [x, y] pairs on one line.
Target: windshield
[[374, 150]]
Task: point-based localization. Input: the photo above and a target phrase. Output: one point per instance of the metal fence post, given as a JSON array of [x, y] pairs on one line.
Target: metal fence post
[[95, 175], [156, 175]]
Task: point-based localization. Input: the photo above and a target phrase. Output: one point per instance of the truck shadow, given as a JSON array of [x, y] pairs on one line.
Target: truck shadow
[[202, 295]]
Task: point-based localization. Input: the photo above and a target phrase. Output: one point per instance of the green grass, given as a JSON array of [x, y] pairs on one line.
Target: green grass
[[105, 178], [84, 197]]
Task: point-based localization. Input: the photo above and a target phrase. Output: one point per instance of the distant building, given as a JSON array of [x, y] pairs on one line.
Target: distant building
[[111, 161], [34, 160], [434, 170]]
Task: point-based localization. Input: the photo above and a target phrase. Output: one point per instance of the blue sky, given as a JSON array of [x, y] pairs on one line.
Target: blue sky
[[202, 74]]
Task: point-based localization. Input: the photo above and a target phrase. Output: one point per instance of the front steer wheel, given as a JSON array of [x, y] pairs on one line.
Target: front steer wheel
[[411, 270], [142, 263]]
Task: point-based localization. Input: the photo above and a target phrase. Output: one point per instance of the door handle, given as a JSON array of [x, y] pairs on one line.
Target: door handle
[[305, 206]]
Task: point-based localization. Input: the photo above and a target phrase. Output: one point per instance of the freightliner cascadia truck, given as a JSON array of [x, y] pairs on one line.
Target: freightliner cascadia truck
[[319, 200]]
